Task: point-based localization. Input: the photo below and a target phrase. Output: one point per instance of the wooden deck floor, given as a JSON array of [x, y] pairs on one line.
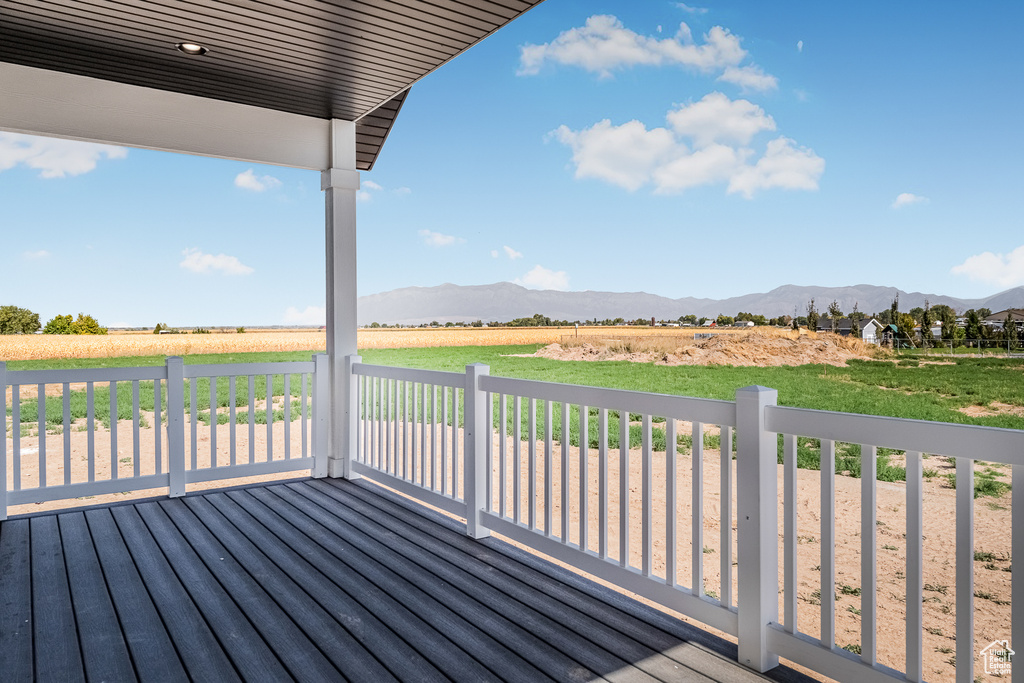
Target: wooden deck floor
[[315, 580]]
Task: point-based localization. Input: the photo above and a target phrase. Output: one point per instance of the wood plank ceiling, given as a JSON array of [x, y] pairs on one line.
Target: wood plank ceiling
[[346, 59]]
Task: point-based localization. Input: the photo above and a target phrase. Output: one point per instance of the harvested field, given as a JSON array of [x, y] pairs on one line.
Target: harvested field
[[42, 346], [749, 349]]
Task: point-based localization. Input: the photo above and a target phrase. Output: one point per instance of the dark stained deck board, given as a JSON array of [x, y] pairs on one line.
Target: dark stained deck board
[[104, 653], [239, 638], [58, 657], [15, 601], [575, 632], [558, 643], [317, 580], [152, 651], [199, 650]]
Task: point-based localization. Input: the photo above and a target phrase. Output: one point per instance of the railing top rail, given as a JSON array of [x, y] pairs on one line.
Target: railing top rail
[[242, 369], [85, 375], [447, 379], [992, 444], [706, 410]]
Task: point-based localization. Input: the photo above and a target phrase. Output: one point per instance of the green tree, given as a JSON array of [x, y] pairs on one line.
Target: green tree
[[14, 320], [973, 331], [905, 324], [984, 313], [926, 325], [947, 316], [834, 314], [812, 316], [916, 313], [894, 311], [60, 324], [86, 324], [855, 317], [724, 320], [160, 327], [1010, 331]]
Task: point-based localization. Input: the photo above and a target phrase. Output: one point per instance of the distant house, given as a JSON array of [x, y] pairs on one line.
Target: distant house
[[997, 319], [743, 323], [870, 330]]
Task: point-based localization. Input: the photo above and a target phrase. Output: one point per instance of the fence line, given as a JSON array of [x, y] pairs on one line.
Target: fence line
[[552, 453], [110, 456]]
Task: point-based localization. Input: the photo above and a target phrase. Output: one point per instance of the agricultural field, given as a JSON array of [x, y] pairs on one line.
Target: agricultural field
[[41, 346]]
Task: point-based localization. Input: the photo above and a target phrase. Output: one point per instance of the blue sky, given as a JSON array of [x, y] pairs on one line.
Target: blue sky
[[590, 145]]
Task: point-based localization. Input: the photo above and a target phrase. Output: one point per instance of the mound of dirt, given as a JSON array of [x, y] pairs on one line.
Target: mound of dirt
[[754, 349]]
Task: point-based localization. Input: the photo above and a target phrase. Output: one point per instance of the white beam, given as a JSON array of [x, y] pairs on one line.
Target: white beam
[[42, 102], [340, 184]]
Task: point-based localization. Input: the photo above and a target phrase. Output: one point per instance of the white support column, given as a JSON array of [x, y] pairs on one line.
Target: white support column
[[3, 440], [757, 493], [340, 184]]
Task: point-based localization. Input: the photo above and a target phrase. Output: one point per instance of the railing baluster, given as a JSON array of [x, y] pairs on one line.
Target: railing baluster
[[624, 488], [789, 531], [213, 422], [16, 434], [287, 416], [41, 431], [868, 553], [433, 437], [270, 418], [670, 501], [828, 543], [408, 458], [647, 494], [549, 485], [113, 431], [565, 472], [415, 428], [444, 440], [251, 380], [65, 430], [90, 429], [423, 434], [725, 517], [375, 428], [531, 495], [455, 446], [502, 448], [193, 402], [965, 569], [232, 432], [489, 436], [135, 428], [696, 528], [584, 475], [915, 567], [602, 483], [516, 458], [158, 465]]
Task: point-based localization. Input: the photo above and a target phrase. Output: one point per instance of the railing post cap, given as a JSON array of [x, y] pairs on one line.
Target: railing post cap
[[757, 389], [175, 359], [483, 367]]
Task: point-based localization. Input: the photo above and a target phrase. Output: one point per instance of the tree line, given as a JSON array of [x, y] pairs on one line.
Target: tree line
[[17, 320]]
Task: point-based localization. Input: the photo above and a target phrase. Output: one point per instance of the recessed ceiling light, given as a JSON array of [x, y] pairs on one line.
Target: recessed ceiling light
[[191, 48]]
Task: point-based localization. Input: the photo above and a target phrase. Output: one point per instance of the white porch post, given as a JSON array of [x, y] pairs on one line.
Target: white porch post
[[340, 183]]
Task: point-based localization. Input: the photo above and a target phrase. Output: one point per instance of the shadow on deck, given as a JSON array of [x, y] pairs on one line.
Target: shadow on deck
[[316, 580]]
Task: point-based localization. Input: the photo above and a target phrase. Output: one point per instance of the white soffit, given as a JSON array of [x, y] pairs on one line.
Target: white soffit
[[50, 103]]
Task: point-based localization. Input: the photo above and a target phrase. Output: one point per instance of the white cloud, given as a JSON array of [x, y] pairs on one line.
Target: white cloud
[[692, 10], [706, 142], [363, 196], [622, 155], [512, 253], [494, 253], [716, 118], [247, 180], [311, 315], [198, 262], [1004, 270], [541, 278], [370, 185], [751, 77], [35, 255], [799, 46], [401, 190], [603, 44], [784, 165], [906, 199], [52, 157], [436, 239]]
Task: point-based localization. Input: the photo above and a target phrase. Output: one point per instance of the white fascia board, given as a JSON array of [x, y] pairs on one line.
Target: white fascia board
[[50, 103]]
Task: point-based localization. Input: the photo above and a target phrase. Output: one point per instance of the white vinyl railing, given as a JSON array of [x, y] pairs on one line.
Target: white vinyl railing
[[82, 433], [539, 458]]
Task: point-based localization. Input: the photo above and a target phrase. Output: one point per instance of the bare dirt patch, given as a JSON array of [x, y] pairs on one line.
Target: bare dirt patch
[[993, 408], [752, 349]]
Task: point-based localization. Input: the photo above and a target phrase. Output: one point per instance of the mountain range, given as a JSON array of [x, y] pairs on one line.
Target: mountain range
[[504, 301]]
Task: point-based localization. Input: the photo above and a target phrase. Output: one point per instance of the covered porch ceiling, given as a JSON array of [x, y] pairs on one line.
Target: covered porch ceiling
[[315, 60]]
